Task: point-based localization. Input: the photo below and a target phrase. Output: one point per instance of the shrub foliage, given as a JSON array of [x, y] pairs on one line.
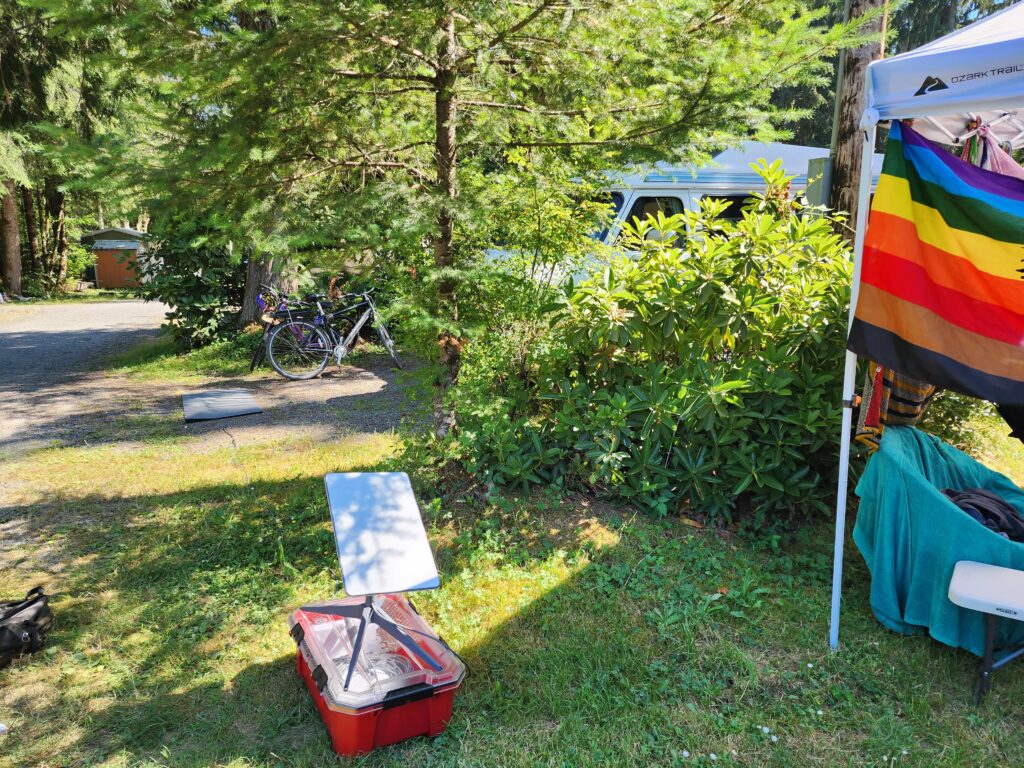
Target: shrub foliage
[[198, 279], [703, 369]]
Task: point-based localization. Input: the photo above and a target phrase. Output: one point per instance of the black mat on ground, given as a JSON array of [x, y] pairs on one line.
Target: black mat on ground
[[218, 404]]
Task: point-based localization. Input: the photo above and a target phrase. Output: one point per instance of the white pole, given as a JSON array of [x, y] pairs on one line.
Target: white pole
[[849, 376]]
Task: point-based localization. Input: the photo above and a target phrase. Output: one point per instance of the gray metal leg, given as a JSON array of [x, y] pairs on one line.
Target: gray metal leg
[[367, 613], [358, 644], [985, 672]]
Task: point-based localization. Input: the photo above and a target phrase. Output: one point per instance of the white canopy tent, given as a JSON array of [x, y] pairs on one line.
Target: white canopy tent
[[972, 76]]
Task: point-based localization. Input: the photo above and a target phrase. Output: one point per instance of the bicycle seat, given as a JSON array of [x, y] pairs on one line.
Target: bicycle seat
[[315, 297]]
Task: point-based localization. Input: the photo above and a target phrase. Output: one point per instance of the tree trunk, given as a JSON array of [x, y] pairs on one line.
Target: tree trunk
[[445, 148], [260, 271], [849, 137], [28, 211], [43, 225], [10, 238], [57, 267], [62, 263]]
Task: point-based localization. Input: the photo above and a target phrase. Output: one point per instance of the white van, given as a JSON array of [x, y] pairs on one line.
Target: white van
[[674, 189], [729, 177]]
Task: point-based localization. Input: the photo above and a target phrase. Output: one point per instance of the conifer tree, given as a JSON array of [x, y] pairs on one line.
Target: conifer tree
[[337, 107]]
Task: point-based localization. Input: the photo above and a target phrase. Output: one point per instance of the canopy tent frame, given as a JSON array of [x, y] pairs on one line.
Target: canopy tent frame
[[849, 381], [1012, 118], [991, 98]]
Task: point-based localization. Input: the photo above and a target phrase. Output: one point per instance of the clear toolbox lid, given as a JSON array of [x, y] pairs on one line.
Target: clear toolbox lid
[[383, 666]]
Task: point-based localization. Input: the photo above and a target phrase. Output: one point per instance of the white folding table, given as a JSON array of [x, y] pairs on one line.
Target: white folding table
[[995, 592]]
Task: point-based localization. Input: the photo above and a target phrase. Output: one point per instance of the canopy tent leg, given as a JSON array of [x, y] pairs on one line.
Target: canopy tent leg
[[841, 495], [849, 377]]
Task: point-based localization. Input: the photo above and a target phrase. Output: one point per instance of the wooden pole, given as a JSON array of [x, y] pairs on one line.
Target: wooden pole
[[846, 157]]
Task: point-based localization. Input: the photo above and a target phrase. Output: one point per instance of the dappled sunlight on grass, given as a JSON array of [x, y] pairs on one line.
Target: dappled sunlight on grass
[[159, 359], [995, 450], [595, 636], [189, 577], [90, 296], [110, 472]]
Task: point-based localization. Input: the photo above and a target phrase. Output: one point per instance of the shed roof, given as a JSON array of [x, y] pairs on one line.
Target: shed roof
[[113, 233]]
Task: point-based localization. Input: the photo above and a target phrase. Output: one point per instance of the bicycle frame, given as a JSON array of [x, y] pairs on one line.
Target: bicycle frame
[[342, 346]]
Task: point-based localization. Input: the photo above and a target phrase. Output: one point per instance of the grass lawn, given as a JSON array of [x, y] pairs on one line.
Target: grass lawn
[[90, 295], [596, 636], [159, 360]]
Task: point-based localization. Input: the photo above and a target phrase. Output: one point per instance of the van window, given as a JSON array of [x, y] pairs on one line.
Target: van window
[[735, 210], [645, 207], [649, 206]]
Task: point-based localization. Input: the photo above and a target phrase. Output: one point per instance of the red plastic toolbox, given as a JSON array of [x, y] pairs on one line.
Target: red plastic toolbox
[[392, 695]]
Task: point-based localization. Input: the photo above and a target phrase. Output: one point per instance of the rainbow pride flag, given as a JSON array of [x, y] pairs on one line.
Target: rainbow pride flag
[[942, 283]]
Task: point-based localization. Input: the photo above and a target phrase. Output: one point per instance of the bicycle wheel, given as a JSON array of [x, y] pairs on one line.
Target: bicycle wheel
[[389, 344], [298, 350]]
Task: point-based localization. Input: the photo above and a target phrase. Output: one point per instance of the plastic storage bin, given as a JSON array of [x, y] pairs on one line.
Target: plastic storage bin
[[393, 695]]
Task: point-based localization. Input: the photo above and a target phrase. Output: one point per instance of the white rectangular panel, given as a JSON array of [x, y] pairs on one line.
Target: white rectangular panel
[[382, 544]]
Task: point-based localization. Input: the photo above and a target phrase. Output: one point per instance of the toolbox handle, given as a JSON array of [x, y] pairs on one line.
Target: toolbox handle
[[413, 692], [319, 678]]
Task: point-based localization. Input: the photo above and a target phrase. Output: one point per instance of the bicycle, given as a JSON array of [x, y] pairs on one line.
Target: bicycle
[[301, 348], [281, 308]]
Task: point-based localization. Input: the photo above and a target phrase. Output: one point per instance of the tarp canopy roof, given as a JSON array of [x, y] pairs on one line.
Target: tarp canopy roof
[[975, 72]]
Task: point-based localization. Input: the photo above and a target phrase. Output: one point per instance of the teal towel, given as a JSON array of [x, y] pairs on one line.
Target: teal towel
[[912, 536]]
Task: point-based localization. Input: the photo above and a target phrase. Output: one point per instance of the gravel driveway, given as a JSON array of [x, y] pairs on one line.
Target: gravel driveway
[[53, 390], [49, 354]]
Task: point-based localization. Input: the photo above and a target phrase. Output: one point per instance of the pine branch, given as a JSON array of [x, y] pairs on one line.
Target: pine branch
[[391, 42], [714, 17], [675, 123], [554, 112], [494, 105], [364, 161], [392, 92], [356, 75], [627, 138], [520, 25]]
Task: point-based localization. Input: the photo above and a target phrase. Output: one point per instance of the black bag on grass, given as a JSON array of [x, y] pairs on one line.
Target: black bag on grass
[[24, 625]]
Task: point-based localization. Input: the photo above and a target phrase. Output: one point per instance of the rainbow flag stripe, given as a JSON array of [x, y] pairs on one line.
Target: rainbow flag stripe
[[942, 279]]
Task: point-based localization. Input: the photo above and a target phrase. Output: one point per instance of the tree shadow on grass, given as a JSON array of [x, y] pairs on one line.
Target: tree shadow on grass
[[171, 634], [172, 645]]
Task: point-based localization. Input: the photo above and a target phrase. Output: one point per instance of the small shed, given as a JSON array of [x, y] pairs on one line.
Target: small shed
[[117, 251]]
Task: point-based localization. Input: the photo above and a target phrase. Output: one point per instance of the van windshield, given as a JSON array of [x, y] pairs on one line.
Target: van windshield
[[615, 200], [645, 208]]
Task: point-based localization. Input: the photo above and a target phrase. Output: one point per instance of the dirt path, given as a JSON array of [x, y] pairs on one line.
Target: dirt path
[[49, 354], [43, 345], [53, 390]]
